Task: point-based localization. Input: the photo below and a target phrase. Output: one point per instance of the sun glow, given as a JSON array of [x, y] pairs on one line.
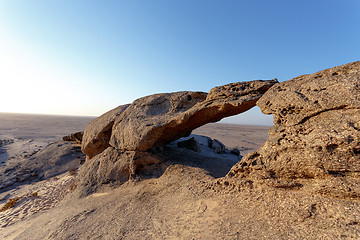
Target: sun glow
[[31, 83]]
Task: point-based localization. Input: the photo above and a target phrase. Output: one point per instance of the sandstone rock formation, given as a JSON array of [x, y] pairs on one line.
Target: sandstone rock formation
[[316, 136], [124, 140], [154, 121], [98, 132], [151, 121], [112, 166], [74, 137]]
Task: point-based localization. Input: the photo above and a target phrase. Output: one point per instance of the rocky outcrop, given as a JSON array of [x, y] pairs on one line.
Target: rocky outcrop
[[121, 141], [98, 132], [74, 137], [113, 167], [152, 122], [316, 134]]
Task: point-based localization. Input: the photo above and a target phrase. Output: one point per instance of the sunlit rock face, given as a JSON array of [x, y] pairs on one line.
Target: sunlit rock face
[[126, 140], [98, 132], [153, 121], [316, 133]]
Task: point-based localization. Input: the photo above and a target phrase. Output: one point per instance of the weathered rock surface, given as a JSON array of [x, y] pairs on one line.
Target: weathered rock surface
[[183, 204], [74, 137], [98, 132], [129, 132], [152, 122], [112, 167], [279, 192], [295, 101], [149, 121], [316, 134]]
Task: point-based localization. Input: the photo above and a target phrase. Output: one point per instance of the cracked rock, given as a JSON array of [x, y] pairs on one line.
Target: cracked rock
[[317, 129]]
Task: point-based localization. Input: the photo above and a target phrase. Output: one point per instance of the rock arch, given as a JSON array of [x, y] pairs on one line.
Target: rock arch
[[127, 138]]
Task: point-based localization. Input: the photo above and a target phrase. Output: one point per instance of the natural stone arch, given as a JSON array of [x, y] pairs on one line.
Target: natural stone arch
[[139, 130]]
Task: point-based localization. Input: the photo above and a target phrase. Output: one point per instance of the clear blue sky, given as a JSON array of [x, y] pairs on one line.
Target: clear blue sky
[[77, 57]]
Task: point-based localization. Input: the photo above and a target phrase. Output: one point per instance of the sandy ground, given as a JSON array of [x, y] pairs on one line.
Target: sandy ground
[[185, 202], [247, 138], [35, 197], [25, 134], [29, 140]]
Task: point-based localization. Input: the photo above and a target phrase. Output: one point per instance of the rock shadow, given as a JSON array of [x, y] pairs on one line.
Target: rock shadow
[[216, 164], [4, 156]]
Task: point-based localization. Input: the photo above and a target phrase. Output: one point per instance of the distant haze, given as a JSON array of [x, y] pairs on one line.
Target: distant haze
[[87, 57], [250, 117]]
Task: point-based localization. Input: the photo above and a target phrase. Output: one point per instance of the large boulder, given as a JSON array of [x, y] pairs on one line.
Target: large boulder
[[316, 133], [113, 167], [74, 137], [148, 119], [154, 121], [98, 132]]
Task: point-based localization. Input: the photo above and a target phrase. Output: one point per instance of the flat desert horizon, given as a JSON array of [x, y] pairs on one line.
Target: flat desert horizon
[[29, 132]]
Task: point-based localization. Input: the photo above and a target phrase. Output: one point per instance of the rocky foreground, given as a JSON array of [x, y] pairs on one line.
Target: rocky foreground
[[144, 177]]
